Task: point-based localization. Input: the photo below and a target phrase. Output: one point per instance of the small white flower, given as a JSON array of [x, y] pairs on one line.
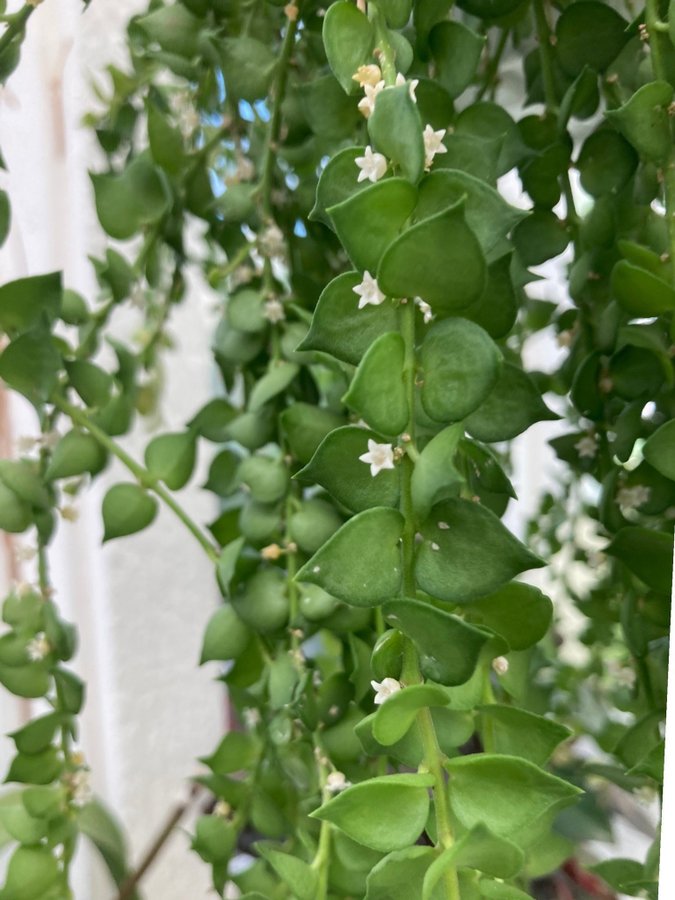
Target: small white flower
[[38, 648], [274, 311], [372, 165], [400, 80], [378, 457], [425, 309], [432, 144], [630, 498], [587, 447], [271, 241], [337, 782], [370, 74], [79, 786], [367, 104], [384, 689], [368, 291], [222, 809], [188, 121], [501, 665], [251, 717]]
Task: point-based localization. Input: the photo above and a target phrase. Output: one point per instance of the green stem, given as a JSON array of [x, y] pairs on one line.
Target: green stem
[[490, 82], [411, 671], [386, 55], [142, 475], [15, 26], [269, 158]]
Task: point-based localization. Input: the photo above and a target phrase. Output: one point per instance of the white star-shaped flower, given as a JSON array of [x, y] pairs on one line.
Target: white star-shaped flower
[[368, 291], [425, 309], [38, 648], [400, 79], [378, 457], [372, 165], [337, 782], [432, 144], [369, 74], [630, 498], [274, 311], [384, 689], [367, 104], [587, 447]]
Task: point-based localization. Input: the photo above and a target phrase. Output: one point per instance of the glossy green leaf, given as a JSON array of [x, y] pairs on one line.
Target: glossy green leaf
[[171, 458], [644, 120], [76, 453], [517, 732], [497, 307], [15, 514], [589, 34], [395, 128], [19, 824], [490, 9], [400, 874], [409, 267], [296, 874], [385, 813], [127, 508], [24, 302], [378, 391], [460, 365], [606, 163], [266, 478], [32, 871], [37, 735], [273, 382], [518, 612], [30, 365], [640, 292], [313, 524], [23, 477], [29, 681], [348, 40], [397, 714], [466, 552], [497, 890], [435, 476], [214, 839], [248, 66], [305, 426], [368, 222], [136, 197], [36, 768], [340, 328], [330, 113], [647, 553], [336, 467], [263, 604], [165, 140], [539, 237], [490, 121], [433, 630], [92, 383], [523, 798], [226, 636], [99, 826], [361, 563], [513, 405], [659, 450], [174, 28], [246, 311], [456, 50], [337, 182]]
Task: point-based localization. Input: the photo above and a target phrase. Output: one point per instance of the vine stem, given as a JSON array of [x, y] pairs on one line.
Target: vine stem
[[658, 46], [17, 23], [144, 478], [411, 671], [490, 82]]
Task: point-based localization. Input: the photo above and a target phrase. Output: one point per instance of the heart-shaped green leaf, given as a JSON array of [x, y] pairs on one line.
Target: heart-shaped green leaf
[[512, 406], [396, 715], [659, 450], [456, 50], [647, 553], [400, 874], [272, 383], [644, 120], [361, 563], [589, 34], [226, 636], [517, 732], [337, 182], [336, 467], [298, 875], [395, 129], [386, 813], [378, 391], [518, 612], [460, 364], [32, 871], [171, 457], [25, 301], [30, 365], [497, 307], [368, 222], [434, 476], [433, 631], [606, 162], [640, 292], [467, 552], [340, 328], [409, 267], [127, 508], [128, 201], [305, 426], [348, 40], [523, 798]]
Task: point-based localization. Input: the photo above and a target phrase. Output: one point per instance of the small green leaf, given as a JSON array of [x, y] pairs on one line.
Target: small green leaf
[[361, 563], [409, 267], [273, 382], [395, 129], [460, 364], [266, 478], [226, 565], [497, 890], [174, 28], [37, 735], [386, 813], [97, 824], [490, 9], [237, 751], [433, 630], [659, 450], [248, 66], [337, 182], [540, 237], [226, 636], [336, 467], [24, 302], [397, 714], [518, 612], [127, 508], [15, 514], [263, 604], [647, 553], [165, 140], [30, 365], [348, 40], [32, 871], [400, 874], [467, 552], [171, 458], [340, 328], [305, 427], [76, 453], [313, 523], [215, 839], [606, 162], [378, 392], [640, 292], [128, 201], [23, 477], [368, 221], [246, 311], [513, 405], [30, 681], [36, 768], [517, 732], [644, 120], [456, 50], [589, 34], [434, 476], [213, 419], [523, 798], [18, 822], [91, 382], [294, 872]]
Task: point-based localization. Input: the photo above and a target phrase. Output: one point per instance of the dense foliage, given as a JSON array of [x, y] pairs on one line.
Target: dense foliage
[[406, 724]]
